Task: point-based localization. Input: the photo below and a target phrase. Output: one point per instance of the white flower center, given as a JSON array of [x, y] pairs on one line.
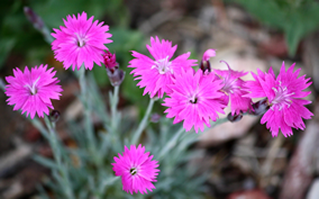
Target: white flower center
[[80, 40], [193, 99], [133, 171], [230, 86], [33, 90], [282, 96], [163, 66]]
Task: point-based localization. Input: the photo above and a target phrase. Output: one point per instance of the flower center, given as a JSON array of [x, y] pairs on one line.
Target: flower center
[[133, 171], [163, 65], [33, 90], [282, 96], [80, 40], [193, 99], [230, 85]]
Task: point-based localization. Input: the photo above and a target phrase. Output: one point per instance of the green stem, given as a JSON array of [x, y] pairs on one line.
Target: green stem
[[218, 122], [143, 123], [171, 143], [87, 111], [2, 85], [114, 102], [56, 150], [115, 118], [37, 124]]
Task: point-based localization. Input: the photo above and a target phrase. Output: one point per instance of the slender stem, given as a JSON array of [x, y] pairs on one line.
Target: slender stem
[[114, 103], [37, 124], [115, 118], [171, 143], [56, 150], [35, 121], [87, 111], [53, 139], [143, 123], [2, 85], [218, 122]]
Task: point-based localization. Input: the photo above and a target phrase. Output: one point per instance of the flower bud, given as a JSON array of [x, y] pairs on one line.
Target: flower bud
[[235, 117], [260, 107], [116, 75], [38, 23], [204, 64], [54, 116], [33, 18], [110, 60]]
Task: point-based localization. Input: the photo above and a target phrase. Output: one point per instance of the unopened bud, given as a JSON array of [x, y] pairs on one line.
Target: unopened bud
[[38, 24], [116, 75], [260, 107], [33, 18], [205, 66], [235, 117], [110, 60], [54, 116]]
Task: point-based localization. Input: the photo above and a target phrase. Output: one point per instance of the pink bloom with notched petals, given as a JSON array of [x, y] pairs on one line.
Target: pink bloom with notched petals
[[81, 41], [284, 94], [32, 91], [234, 89], [156, 74], [137, 169], [195, 99]]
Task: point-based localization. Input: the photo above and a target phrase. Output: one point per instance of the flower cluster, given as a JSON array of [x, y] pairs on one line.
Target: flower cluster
[[192, 97], [197, 97], [82, 42]]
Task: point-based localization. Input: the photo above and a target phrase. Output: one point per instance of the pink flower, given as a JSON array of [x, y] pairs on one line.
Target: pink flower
[[195, 98], [157, 74], [234, 89], [284, 95], [32, 91], [137, 169], [81, 41]]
